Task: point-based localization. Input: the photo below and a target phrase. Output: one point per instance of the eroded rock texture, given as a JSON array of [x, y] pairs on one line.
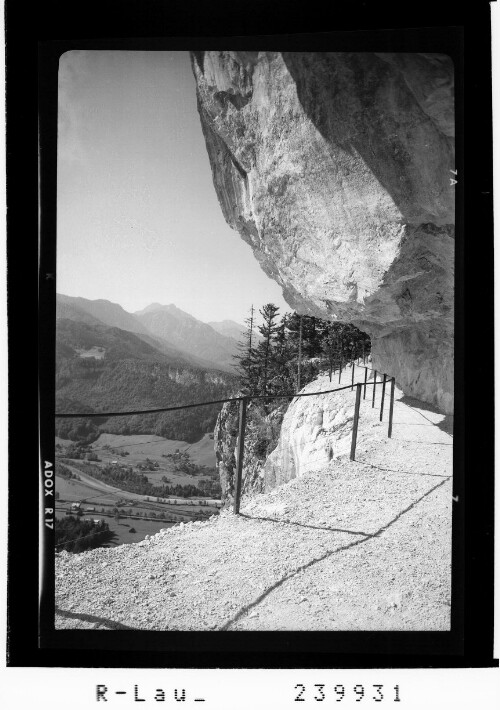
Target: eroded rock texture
[[262, 433], [335, 168], [314, 429]]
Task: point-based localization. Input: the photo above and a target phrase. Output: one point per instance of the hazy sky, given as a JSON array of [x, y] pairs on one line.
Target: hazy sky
[[138, 217]]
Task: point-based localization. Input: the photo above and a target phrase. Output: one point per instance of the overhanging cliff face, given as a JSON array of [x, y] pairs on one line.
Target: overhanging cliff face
[[335, 168]]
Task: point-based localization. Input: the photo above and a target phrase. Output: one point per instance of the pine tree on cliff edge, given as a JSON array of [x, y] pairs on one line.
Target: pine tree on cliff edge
[[246, 363], [268, 331]]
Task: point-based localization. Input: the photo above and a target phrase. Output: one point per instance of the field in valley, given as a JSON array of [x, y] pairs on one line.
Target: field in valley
[[100, 500], [133, 450]]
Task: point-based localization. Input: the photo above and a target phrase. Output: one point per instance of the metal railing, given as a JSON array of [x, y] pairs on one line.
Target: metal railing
[[359, 386], [245, 399]]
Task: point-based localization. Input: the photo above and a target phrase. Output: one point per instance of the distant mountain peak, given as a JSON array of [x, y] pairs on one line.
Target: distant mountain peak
[[227, 321], [228, 328], [170, 308], [107, 312], [189, 334], [179, 331]]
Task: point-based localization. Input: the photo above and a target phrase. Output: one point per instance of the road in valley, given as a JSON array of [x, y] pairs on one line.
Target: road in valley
[[106, 488]]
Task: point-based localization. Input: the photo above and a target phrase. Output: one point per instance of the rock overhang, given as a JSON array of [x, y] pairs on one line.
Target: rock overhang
[[335, 168]]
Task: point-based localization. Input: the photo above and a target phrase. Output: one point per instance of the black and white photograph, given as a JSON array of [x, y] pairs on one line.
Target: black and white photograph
[[254, 372], [250, 424], [256, 448]]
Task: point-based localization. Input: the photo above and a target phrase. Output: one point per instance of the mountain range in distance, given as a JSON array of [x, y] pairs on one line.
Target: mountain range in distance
[[229, 328], [175, 335]]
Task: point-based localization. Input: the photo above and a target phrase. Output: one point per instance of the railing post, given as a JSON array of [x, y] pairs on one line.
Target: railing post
[[391, 407], [299, 364], [241, 445], [366, 378], [374, 387], [355, 421], [352, 378], [383, 397]]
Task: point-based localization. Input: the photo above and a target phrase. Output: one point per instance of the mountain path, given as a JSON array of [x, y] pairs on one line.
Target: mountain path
[[362, 545]]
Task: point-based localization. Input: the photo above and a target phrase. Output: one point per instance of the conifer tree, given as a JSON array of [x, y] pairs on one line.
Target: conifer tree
[[293, 350], [246, 359], [311, 335], [299, 354], [329, 347], [282, 355], [268, 331]]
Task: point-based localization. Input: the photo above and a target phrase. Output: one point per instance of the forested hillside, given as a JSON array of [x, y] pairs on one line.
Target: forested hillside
[[102, 369]]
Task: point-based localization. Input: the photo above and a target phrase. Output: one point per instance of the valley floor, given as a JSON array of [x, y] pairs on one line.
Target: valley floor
[[363, 545]]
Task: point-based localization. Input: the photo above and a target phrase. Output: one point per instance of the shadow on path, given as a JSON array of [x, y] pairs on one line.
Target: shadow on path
[[244, 610], [394, 470], [405, 424], [303, 525], [446, 424], [423, 443], [94, 620]]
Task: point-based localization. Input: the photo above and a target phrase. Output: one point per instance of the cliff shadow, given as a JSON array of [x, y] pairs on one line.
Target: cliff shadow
[[109, 623], [303, 525], [245, 609], [445, 424], [410, 473]]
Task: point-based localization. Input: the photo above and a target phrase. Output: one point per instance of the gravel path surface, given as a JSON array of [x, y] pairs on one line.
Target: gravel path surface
[[363, 545]]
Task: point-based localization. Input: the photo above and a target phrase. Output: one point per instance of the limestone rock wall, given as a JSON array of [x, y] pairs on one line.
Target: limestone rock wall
[[262, 433], [335, 168], [225, 441], [313, 431], [286, 442]]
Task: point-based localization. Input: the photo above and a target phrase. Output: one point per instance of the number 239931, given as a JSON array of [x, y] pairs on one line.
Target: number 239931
[[320, 692]]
